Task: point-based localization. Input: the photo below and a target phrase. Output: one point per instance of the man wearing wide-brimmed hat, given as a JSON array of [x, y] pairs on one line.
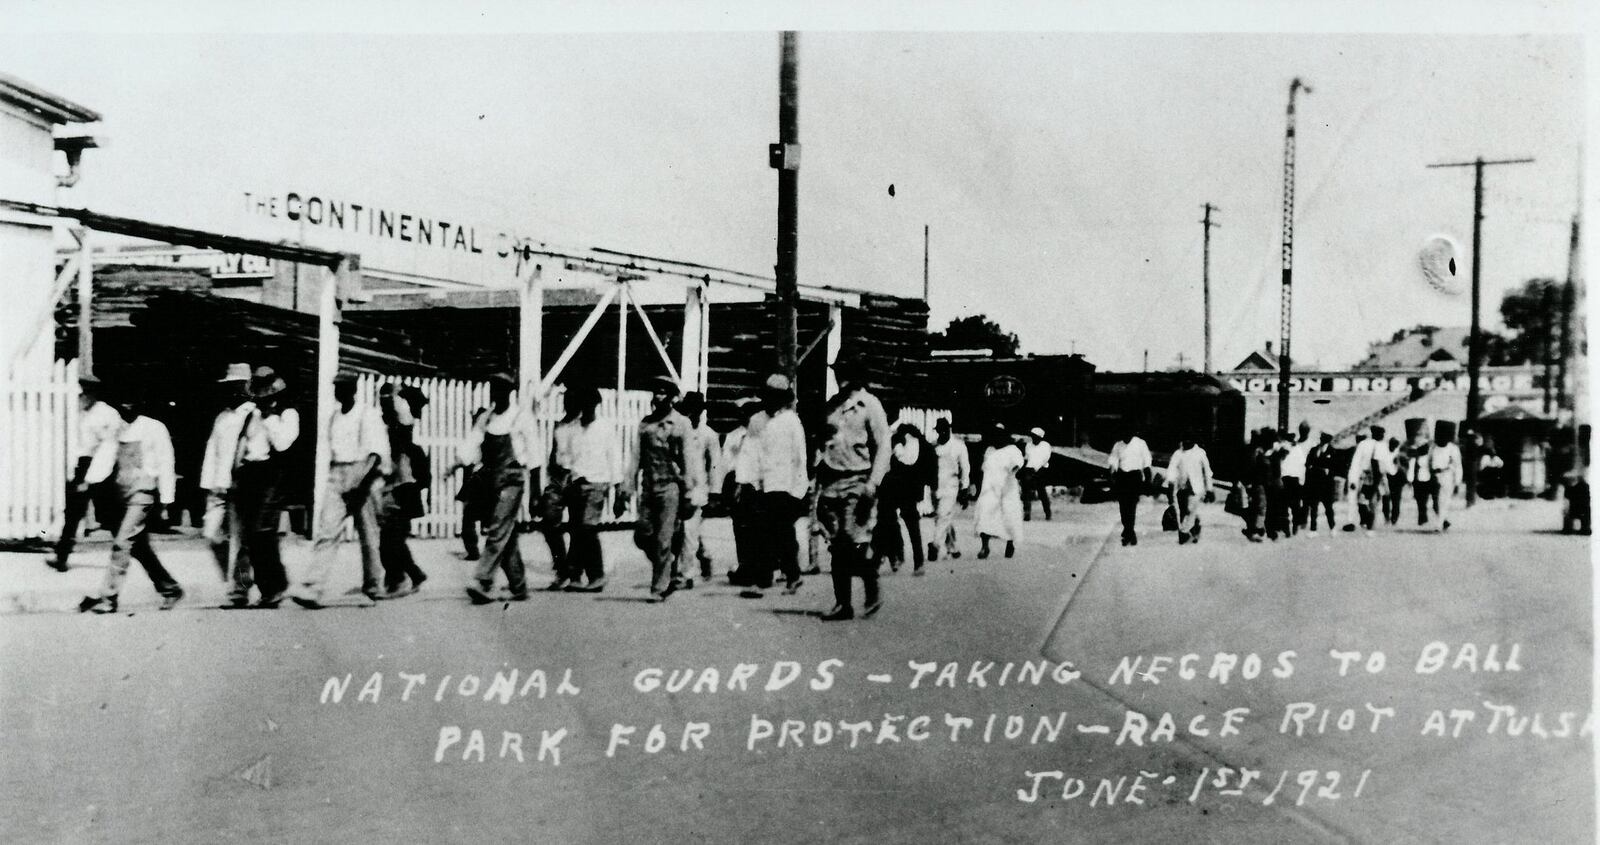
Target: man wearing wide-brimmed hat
[[663, 472], [270, 429], [98, 426], [854, 459], [224, 450]]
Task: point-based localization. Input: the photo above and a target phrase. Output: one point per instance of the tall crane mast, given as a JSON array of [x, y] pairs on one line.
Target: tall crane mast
[[1287, 299]]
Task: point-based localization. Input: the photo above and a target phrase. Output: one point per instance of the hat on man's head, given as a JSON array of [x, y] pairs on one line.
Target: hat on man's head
[[581, 396], [663, 384], [941, 424], [778, 383], [266, 383], [236, 372], [849, 361], [1037, 432], [414, 395], [345, 377], [503, 381], [692, 402], [89, 382]]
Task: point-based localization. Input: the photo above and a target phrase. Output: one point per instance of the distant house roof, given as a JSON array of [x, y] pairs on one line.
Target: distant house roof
[[46, 105], [1262, 359], [1418, 349]]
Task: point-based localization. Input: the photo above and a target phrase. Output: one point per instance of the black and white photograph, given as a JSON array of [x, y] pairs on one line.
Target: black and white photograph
[[783, 423]]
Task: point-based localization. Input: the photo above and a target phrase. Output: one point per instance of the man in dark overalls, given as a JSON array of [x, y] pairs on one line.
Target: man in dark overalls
[[665, 472], [505, 449]]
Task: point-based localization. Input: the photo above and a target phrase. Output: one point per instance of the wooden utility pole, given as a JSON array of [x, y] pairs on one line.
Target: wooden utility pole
[[1547, 352], [1474, 339], [1568, 302], [924, 264], [785, 156], [1205, 278]]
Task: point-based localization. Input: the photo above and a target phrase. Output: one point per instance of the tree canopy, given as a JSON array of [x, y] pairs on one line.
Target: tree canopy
[[976, 332]]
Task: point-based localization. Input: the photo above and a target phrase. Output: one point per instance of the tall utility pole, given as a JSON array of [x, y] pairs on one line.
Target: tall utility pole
[[1547, 352], [785, 156], [1568, 303], [924, 264], [1205, 278], [1474, 341], [1286, 301]]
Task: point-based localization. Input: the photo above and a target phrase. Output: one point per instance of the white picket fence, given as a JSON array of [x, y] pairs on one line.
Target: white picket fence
[[37, 419], [922, 418], [443, 426]]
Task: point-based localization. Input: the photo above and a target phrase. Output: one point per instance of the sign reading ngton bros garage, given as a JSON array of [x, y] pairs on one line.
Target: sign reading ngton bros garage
[[1508, 380]]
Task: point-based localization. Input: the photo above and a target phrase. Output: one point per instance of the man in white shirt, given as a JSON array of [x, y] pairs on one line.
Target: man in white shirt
[[143, 472], [505, 446], [98, 426], [703, 453], [783, 480], [1130, 474], [742, 455], [270, 428], [1370, 466], [224, 450], [1444, 461], [954, 476], [358, 459], [1293, 471], [1188, 477], [1035, 459], [585, 462]]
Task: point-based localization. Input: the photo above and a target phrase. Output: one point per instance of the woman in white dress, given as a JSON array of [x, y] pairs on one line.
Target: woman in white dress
[[1000, 496]]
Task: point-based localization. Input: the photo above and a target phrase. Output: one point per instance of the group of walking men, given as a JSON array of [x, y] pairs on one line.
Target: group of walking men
[[1291, 479], [669, 472], [376, 475], [125, 466]]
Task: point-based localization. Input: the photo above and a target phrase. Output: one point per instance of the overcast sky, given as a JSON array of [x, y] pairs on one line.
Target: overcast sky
[[1062, 175]]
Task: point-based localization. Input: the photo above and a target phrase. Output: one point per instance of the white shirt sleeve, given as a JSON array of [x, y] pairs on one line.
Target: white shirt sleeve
[[209, 476], [161, 461], [283, 429]]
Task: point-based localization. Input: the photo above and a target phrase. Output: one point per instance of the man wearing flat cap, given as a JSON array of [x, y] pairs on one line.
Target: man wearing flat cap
[[664, 473], [270, 428], [854, 459], [98, 427], [783, 481]]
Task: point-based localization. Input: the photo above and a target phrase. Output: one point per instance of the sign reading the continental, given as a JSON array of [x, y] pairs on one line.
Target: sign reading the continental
[[347, 216]]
